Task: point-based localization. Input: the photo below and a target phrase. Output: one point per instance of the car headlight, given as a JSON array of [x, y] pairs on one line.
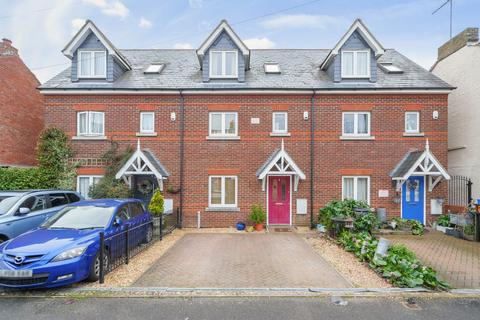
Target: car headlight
[[70, 254]]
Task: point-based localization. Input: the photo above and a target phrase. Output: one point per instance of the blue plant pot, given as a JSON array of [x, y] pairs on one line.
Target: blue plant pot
[[240, 226]]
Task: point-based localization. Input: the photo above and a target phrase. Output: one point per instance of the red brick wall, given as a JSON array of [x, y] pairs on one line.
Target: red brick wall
[[21, 110], [333, 157]]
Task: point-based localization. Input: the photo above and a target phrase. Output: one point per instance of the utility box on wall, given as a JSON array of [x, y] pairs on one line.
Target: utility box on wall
[[436, 206]]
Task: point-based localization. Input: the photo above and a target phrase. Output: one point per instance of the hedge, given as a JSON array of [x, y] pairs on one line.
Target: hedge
[[23, 178]]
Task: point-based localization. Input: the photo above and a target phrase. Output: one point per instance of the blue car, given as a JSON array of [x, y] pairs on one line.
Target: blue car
[[66, 248], [22, 211]]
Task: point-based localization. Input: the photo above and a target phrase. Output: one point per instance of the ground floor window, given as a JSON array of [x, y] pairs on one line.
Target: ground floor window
[[222, 191], [356, 188], [85, 182]]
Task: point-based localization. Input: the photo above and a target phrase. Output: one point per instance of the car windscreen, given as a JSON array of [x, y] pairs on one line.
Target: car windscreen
[[80, 217], [6, 203]]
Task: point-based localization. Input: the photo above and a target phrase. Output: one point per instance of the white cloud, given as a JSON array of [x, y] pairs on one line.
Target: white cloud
[[144, 23], [302, 21], [195, 3], [184, 45], [259, 43], [77, 23], [110, 8]]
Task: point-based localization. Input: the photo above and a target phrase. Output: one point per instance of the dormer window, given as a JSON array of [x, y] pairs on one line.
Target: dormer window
[[356, 64], [223, 64], [92, 64]]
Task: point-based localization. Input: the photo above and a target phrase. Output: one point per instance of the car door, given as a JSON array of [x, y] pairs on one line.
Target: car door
[[56, 202], [137, 224], [118, 236], [37, 204]]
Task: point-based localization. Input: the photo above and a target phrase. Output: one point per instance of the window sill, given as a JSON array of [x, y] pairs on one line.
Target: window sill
[[357, 138], [89, 138], [223, 209], [143, 134], [280, 134], [413, 134], [223, 138]]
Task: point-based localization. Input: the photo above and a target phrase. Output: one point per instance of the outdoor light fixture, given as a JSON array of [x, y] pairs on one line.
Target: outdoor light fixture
[[173, 116], [305, 115]]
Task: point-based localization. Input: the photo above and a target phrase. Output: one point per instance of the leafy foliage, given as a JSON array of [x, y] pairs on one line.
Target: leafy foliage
[[257, 214], [415, 226], [469, 230], [109, 186], [156, 203], [366, 222], [444, 220], [343, 209]]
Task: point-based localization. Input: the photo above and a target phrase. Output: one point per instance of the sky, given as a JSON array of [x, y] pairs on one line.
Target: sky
[[41, 28]]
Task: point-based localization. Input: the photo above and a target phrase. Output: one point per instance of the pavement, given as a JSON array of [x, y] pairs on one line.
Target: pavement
[[457, 261], [269, 260], [267, 308]]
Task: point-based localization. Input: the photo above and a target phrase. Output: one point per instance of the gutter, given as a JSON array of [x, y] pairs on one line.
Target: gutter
[[312, 155], [182, 154]]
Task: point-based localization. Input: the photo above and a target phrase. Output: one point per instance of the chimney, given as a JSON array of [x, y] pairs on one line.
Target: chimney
[[6, 48], [466, 37]]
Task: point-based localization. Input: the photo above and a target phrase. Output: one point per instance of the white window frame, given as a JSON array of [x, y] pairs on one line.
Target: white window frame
[[355, 186], [92, 64], [87, 126], [222, 190], [141, 122], [354, 75], [224, 65], [223, 134], [273, 122], [417, 130], [90, 182], [355, 124]]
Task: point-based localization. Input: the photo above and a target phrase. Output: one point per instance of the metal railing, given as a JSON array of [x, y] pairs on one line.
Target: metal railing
[[118, 249]]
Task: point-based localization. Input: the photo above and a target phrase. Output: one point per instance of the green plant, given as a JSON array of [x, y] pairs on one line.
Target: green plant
[[366, 222], [469, 229], [415, 227], [444, 220], [257, 214], [337, 208], [156, 203]]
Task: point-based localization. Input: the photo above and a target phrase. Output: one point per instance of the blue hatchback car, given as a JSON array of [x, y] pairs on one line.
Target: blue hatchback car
[[65, 249], [22, 211]]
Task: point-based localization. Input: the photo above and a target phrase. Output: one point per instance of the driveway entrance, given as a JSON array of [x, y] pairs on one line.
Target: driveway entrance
[[275, 260]]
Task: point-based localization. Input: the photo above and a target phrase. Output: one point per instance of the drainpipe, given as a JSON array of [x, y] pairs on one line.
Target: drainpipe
[[182, 152], [312, 155]]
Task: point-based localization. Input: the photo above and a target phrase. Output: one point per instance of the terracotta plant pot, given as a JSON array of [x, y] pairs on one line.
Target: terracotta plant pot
[[259, 226]]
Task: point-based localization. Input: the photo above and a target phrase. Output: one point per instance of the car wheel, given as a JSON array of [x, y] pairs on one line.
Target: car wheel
[[95, 267], [149, 235]]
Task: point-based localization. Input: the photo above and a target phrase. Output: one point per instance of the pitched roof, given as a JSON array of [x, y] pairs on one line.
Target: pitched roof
[[300, 71], [155, 162], [405, 164]]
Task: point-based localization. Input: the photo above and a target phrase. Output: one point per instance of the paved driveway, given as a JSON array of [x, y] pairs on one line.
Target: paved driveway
[[242, 261], [456, 261]]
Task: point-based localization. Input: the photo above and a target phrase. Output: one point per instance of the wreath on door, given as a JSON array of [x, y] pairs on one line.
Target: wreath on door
[[145, 186]]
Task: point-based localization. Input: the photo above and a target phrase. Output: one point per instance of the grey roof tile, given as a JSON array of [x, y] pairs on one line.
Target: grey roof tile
[[405, 164], [267, 162], [155, 162]]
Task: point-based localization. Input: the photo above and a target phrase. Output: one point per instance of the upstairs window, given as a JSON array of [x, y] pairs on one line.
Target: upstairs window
[[356, 64], [92, 64], [412, 122], [223, 64], [147, 122], [90, 123], [223, 124], [356, 124], [280, 122]]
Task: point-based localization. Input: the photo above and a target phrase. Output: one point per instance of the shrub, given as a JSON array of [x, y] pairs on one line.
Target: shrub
[[415, 227], [21, 178], [337, 208], [444, 220], [469, 230], [156, 203], [366, 222], [257, 214]]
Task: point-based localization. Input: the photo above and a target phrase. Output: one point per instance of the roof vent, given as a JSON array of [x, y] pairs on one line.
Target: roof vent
[[271, 68], [390, 68], [154, 68]]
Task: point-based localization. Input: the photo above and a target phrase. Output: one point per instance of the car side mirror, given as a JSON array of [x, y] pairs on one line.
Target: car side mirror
[[23, 210], [118, 222]]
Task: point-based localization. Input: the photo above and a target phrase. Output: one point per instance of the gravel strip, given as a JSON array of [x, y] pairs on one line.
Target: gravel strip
[[127, 274], [358, 273]]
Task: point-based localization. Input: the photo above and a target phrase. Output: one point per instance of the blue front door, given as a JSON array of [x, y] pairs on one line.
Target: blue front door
[[412, 198]]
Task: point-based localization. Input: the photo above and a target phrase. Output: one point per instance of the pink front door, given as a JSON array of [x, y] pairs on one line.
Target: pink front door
[[279, 200]]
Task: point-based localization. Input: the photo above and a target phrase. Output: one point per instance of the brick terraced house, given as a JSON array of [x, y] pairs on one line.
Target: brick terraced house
[[223, 127]]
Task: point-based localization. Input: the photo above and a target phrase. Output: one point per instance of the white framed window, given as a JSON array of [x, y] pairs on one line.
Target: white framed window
[[412, 122], [280, 122], [222, 191], [356, 188], [223, 64], [356, 124], [356, 64], [90, 123], [84, 182], [223, 124], [92, 64], [147, 122]]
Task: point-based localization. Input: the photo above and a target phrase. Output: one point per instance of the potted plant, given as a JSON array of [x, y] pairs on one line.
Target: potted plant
[[258, 216], [469, 232], [172, 190], [443, 222], [156, 206]]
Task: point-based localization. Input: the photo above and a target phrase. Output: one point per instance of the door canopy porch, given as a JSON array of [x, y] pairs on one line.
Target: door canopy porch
[[280, 163], [420, 163], [143, 162]]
